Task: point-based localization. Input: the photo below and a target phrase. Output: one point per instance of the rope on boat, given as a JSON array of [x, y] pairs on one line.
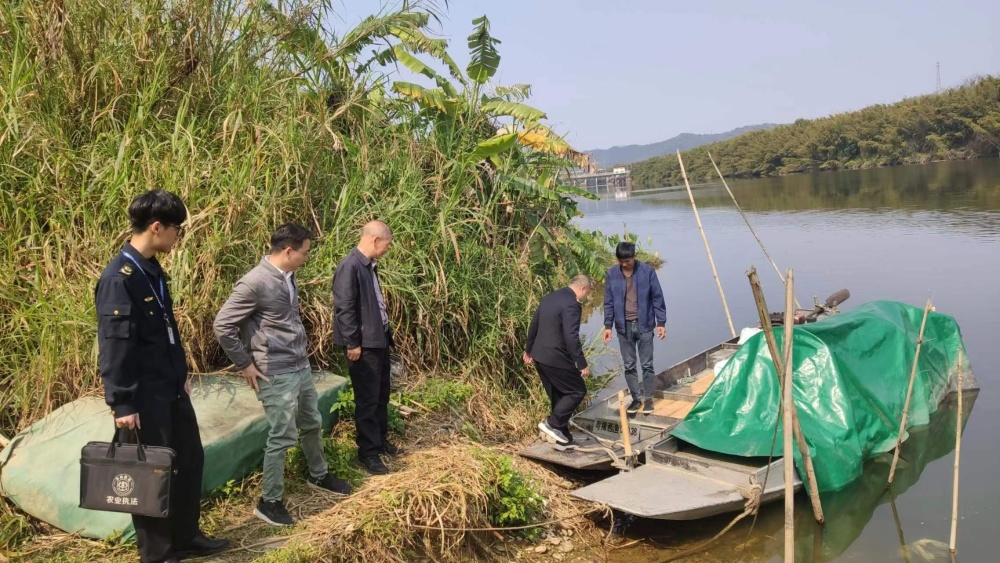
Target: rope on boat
[[752, 495], [607, 446]]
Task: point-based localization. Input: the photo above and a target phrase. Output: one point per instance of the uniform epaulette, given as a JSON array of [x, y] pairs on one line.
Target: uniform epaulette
[[126, 269]]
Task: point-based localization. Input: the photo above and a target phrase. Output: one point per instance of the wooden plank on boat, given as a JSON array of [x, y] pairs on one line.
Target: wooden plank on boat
[[664, 407], [682, 411], [699, 387]]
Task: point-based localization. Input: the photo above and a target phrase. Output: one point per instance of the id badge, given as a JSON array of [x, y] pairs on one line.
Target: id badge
[[170, 334]]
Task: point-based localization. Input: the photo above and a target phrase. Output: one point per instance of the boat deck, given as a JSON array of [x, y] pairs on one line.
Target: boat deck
[[670, 493], [683, 482]]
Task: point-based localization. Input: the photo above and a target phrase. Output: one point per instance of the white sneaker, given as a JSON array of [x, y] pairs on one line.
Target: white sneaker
[[552, 434]]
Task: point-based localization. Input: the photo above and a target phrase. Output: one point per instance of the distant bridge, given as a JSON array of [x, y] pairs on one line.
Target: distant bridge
[[617, 181]]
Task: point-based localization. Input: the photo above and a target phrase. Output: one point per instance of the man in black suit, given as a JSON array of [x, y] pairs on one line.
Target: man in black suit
[[554, 347], [361, 326]]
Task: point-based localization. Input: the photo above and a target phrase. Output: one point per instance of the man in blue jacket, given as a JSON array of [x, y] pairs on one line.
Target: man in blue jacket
[[633, 304]]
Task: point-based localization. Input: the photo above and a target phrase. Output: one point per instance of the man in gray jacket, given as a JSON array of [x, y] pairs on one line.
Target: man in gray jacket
[[260, 329]]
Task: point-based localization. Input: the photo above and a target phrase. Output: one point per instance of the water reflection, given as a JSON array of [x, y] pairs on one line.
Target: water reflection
[[964, 195], [850, 510]]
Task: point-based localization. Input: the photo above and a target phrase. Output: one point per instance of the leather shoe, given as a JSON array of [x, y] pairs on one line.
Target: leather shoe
[[388, 448], [200, 546], [374, 465]]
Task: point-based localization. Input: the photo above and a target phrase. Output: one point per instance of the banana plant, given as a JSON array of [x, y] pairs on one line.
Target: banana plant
[[524, 157], [491, 137]]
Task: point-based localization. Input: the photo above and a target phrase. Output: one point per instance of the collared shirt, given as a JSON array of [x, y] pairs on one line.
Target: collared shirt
[[379, 296], [288, 280], [372, 265]]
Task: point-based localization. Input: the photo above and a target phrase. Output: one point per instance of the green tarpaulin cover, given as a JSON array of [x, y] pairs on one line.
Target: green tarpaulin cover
[[40, 468], [850, 375]]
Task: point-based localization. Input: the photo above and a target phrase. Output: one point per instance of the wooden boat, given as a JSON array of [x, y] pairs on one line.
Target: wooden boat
[[680, 481], [597, 433]]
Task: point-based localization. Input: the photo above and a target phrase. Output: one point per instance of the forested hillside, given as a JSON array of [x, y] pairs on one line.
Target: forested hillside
[[961, 123]]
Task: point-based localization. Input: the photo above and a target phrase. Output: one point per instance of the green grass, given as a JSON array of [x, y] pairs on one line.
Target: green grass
[[14, 527]]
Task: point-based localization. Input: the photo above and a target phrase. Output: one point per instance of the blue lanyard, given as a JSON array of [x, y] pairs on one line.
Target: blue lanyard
[[161, 297]]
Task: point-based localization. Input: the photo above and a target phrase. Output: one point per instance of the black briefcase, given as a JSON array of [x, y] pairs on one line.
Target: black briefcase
[[132, 478]]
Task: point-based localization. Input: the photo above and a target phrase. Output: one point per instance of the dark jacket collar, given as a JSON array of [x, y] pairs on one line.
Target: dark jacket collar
[[360, 257], [569, 291], [150, 265]]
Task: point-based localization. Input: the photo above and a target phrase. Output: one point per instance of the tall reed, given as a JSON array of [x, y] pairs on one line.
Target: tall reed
[[254, 117]]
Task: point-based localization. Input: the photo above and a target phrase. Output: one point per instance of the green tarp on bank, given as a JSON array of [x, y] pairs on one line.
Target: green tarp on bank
[[850, 375], [40, 468]]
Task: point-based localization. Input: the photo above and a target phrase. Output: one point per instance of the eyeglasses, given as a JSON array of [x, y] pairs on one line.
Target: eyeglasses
[[180, 228]]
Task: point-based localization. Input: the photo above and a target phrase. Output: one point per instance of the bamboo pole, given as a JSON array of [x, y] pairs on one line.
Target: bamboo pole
[[708, 250], [779, 369], [909, 393], [786, 403], [626, 439], [817, 555], [749, 226], [899, 528], [958, 451]]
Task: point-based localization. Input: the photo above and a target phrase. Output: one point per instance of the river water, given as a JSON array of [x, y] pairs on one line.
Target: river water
[[898, 233]]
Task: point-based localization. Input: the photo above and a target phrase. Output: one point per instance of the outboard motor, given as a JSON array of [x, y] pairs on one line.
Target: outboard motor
[[836, 299], [820, 311]]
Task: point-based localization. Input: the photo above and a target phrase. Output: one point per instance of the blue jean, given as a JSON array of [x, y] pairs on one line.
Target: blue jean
[[629, 341]]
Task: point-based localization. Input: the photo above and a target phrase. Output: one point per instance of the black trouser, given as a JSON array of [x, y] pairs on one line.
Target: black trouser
[[172, 423], [370, 379], [566, 389]]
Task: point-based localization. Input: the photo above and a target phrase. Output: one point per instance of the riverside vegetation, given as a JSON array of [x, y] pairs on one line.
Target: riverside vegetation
[[255, 113], [957, 124]]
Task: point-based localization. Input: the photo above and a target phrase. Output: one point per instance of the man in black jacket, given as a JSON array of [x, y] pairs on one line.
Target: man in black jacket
[[144, 371], [554, 347], [361, 326]]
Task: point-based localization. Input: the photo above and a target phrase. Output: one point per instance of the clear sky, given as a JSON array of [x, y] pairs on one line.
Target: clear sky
[[640, 71]]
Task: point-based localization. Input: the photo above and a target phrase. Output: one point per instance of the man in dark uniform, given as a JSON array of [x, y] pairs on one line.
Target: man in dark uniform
[[554, 347], [361, 326], [144, 372]]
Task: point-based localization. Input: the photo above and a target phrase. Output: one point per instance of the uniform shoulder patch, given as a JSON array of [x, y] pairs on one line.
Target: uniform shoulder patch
[[126, 269]]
